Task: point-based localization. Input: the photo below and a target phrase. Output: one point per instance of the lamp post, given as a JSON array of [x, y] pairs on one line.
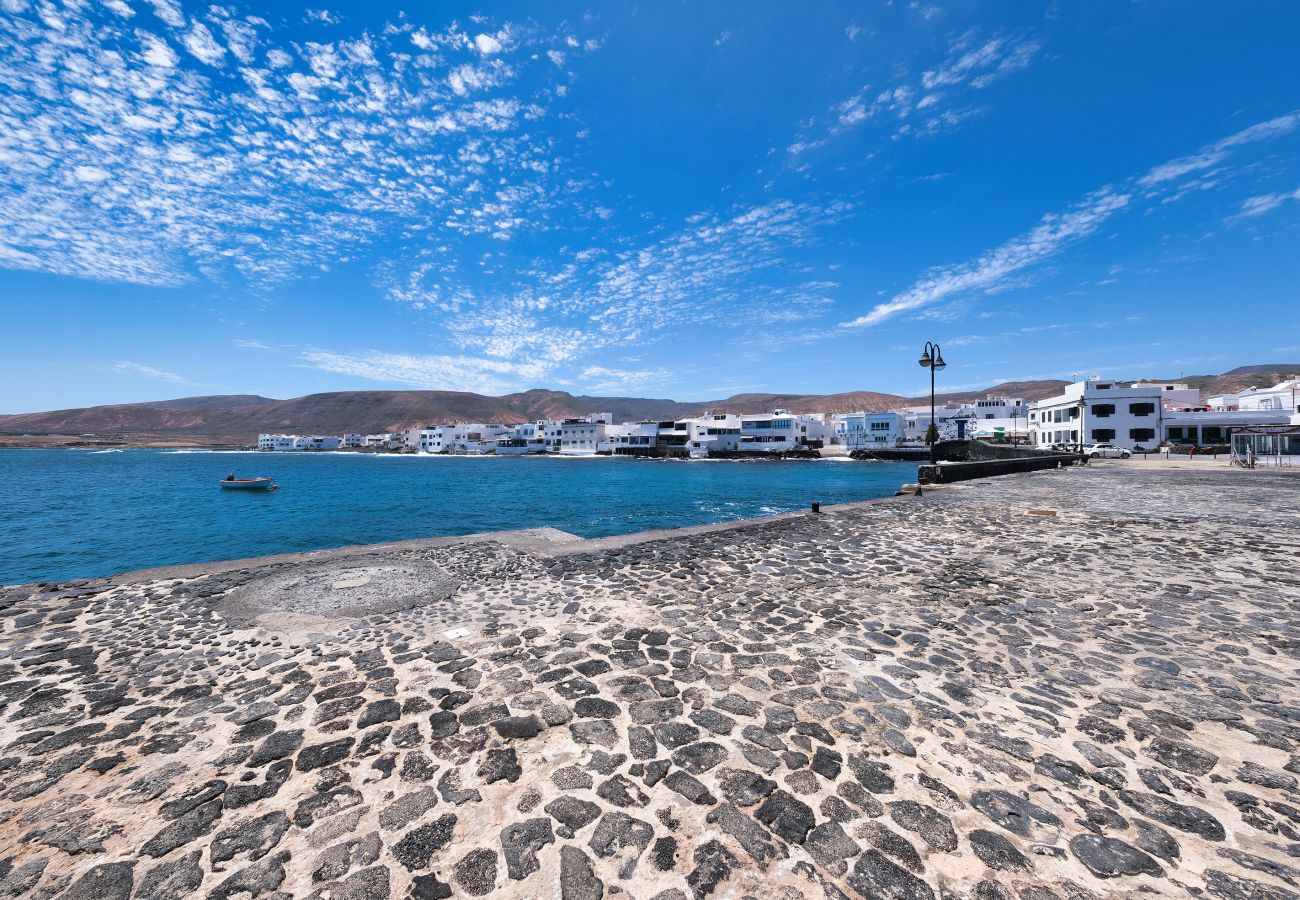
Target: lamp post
[[932, 359]]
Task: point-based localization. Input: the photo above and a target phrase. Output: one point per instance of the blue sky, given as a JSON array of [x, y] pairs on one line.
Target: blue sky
[[659, 199]]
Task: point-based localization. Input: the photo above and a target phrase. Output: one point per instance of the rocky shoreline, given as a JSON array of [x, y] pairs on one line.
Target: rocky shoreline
[[1076, 683]]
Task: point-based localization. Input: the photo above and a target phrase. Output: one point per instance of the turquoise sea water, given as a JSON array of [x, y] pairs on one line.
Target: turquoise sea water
[[78, 513]]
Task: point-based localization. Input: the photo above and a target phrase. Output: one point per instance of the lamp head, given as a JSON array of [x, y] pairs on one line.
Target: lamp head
[[939, 364], [925, 359]]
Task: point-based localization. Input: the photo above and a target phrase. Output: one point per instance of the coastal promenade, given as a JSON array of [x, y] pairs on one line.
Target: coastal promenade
[[1067, 684]]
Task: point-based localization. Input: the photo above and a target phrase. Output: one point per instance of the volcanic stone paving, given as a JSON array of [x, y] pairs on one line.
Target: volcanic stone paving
[[1069, 684]]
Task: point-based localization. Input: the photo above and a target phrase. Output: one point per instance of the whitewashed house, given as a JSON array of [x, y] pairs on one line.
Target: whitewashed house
[[613, 433], [276, 442], [474, 439], [712, 433], [916, 421], [855, 431], [316, 442], [354, 440], [526, 437], [579, 437], [640, 438]]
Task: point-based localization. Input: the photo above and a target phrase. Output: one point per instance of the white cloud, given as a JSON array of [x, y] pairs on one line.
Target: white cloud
[[128, 161], [156, 52], [489, 44], [995, 268], [199, 41], [1213, 154], [926, 105], [1262, 203], [603, 380], [169, 11], [130, 368], [432, 372], [718, 271]]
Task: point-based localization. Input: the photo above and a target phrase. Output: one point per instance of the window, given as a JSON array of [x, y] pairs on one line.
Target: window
[[1142, 434], [1141, 409], [1103, 434], [1103, 410]]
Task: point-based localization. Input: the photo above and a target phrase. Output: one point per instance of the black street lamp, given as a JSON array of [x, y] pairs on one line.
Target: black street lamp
[[932, 359]]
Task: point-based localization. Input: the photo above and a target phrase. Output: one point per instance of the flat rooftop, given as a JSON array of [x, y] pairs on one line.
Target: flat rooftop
[[1077, 683]]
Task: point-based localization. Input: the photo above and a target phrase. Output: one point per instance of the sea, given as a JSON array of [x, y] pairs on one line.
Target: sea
[[70, 514]]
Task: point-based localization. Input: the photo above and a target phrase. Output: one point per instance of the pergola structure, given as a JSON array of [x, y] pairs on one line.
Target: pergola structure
[[1266, 445]]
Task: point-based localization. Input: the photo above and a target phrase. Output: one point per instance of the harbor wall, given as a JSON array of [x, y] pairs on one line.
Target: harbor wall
[[947, 473]]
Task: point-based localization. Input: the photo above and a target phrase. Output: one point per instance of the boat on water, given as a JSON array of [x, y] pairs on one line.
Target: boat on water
[[230, 482]]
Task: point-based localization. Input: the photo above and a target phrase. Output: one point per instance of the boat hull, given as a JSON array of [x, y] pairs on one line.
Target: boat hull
[[248, 484]]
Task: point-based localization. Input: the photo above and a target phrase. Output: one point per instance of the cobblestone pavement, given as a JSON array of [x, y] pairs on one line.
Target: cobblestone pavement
[[1071, 684]]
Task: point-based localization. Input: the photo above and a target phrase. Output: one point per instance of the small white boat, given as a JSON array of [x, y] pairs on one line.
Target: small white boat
[[230, 482]]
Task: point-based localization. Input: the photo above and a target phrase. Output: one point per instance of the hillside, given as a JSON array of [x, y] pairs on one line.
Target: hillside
[[231, 420], [1229, 382]]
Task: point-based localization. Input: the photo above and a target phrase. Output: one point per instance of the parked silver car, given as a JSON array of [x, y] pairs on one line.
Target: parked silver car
[[1106, 451]]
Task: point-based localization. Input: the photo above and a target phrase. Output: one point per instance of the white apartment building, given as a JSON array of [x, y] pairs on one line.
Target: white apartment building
[[773, 432], [430, 438], [580, 437], [998, 406], [473, 438], [1102, 411], [286, 442], [612, 434], [712, 433], [354, 440], [639, 438], [279, 442]]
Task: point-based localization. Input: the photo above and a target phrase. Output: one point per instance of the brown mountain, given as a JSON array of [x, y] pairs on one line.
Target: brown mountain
[[853, 401], [1236, 380], [226, 420], [1028, 390]]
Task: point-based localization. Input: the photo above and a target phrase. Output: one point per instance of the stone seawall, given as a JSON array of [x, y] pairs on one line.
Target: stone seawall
[[1026, 689], [948, 473]]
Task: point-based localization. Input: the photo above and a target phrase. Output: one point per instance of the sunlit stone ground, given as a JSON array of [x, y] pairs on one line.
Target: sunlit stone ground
[[1066, 684]]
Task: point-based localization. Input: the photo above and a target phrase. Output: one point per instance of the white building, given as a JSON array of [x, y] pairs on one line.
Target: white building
[[354, 440], [316, 442], [280, 442], [430, 438], [474, 438], [916, 421], [526, 437], [998, 406], [579, 437], [772, 432], [1100, 411], [640, 438], [863, 429], [1211, 427], [712, 433], [613, 433], [1284, 396], [286, 442], [391, 441]]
